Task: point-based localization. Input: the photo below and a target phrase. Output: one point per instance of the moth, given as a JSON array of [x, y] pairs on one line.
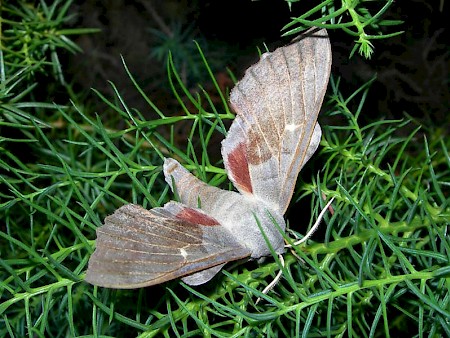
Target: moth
[[274, 134]]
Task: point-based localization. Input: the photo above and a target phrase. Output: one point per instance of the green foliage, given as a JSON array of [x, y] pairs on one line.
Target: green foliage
[[178, 42], [379, 266], [358, 18], [33, 35]]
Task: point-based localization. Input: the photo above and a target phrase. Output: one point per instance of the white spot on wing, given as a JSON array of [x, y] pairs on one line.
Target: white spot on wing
[[183, 253], [292, 127]]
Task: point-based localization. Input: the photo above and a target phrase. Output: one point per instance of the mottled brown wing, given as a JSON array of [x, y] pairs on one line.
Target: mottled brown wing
[[138, 247], [276, 131]]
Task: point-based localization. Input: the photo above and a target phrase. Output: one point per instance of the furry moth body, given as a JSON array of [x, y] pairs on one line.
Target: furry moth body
[[274, 134]]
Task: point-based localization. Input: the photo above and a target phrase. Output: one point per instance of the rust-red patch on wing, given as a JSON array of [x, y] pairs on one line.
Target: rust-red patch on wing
[[238, 165], [196, 217]]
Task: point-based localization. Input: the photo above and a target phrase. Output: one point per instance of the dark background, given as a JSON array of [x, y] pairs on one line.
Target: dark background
[[412, 69]]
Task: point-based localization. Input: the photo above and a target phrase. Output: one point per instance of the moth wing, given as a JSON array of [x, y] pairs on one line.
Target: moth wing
[[275, 131], [138, 247], [202, 276]]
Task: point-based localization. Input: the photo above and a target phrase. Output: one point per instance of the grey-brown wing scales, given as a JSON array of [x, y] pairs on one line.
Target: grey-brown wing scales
[[138, 247], [275, 131]]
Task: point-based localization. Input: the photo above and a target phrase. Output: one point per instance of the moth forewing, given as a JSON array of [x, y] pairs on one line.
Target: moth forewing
[[138, 247], [277, 103]]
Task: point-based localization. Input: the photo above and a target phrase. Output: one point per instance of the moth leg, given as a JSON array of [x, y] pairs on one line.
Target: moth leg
[[314, 227], [304, 239], [275, 280]]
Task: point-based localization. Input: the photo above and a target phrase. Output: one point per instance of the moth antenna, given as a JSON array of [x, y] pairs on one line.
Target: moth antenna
[[275, 280]]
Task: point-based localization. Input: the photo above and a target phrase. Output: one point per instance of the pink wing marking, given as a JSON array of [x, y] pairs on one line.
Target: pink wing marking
[[238, 167], [189, 214], [196, 217]]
